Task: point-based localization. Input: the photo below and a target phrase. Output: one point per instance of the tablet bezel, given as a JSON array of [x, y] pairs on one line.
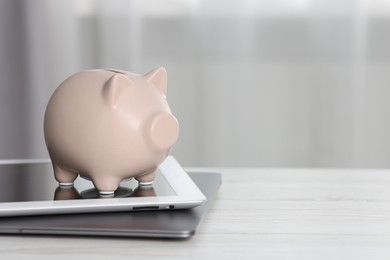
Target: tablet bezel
[[188, 195]]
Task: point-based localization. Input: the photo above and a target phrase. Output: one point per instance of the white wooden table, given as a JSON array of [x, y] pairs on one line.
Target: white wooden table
[[258, 214]]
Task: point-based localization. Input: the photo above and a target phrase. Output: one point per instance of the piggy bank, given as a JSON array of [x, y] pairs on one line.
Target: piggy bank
[[109, 125]]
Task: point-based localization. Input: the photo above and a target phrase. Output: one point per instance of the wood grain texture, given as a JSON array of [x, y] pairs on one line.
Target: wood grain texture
[[258, 214]]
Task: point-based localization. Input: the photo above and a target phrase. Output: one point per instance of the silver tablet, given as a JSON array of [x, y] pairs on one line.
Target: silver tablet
[[152, 224], [28, 187]]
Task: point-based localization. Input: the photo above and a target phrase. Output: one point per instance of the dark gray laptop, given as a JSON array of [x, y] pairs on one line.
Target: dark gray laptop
[[156, 224]]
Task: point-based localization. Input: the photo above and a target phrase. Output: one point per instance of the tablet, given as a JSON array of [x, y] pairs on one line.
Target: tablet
[[28, 187], [152, 224]]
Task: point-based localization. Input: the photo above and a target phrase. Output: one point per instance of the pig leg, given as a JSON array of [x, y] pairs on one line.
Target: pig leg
[[64, 177], [146, 179], [106, 186]]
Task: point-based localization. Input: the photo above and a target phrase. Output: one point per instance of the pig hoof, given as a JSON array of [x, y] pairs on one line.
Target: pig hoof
[[145, 183], [106, 193], [66, 184]]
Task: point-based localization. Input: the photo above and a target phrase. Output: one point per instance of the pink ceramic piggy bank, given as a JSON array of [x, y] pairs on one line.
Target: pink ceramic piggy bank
[[109, 125]]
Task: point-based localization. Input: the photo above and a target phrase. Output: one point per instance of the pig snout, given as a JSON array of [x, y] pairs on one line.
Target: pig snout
[[163, 131]]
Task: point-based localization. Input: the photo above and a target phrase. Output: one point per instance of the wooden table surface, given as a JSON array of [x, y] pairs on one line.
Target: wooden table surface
[[258, 214]]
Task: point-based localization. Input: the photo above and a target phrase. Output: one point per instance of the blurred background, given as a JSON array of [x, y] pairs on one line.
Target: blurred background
[[270, 83]]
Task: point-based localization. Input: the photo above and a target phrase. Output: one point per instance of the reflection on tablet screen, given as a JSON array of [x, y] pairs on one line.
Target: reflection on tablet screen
[[35, 182]]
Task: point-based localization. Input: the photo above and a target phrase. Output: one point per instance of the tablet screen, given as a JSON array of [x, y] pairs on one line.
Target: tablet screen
[[35, 182]]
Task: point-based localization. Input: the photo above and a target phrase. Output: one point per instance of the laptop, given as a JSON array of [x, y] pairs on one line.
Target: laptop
[[180, 223]]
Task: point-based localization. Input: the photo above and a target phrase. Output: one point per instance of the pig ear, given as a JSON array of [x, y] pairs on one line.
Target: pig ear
[[158, 78], [114, 87]]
